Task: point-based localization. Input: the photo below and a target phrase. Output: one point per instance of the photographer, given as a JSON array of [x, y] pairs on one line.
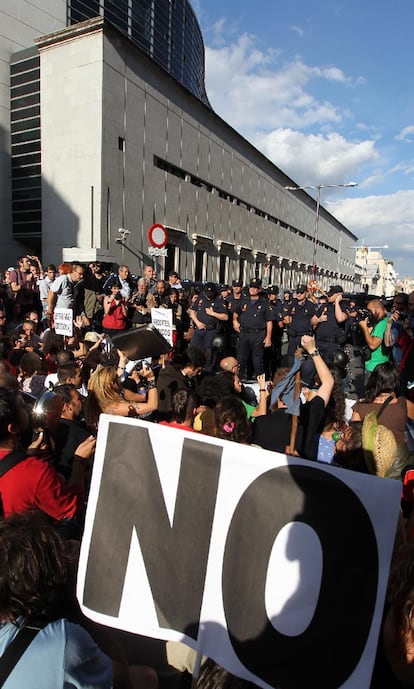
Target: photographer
[[24, 287], [115, 311], [141, 304], [395, 326], [373, 329]]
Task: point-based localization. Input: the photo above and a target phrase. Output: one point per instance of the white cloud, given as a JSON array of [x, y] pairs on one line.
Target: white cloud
[[316, 159], [298, 30], [380, 220], [250, 88], [276, 103], [406, 134], [254, 90]]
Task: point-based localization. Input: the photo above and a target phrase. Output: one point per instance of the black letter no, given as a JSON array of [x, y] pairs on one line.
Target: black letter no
[[327, 652]]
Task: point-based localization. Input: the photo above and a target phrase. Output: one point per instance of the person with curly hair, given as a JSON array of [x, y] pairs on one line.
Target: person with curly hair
[[35, 602], [382, 397], [231, 421]]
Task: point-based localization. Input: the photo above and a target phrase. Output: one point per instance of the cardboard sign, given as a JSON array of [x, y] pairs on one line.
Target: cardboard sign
[[162, 319], [63, 322], [275, 567]]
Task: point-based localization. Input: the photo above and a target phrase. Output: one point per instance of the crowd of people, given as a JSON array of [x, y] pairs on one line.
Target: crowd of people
[[245, 366]]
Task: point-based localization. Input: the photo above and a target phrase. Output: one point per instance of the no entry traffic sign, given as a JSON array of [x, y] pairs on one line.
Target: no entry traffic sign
[[157, 236]]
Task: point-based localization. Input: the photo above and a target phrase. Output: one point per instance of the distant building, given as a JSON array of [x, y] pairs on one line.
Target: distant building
[[374, 273], [110, 128]]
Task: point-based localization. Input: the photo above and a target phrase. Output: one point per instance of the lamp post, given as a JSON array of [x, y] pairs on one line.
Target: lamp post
[[318, 188]]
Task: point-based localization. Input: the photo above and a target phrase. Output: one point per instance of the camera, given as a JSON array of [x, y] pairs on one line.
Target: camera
[[401, 314], [140, 301], [363, 314], [142, 364]]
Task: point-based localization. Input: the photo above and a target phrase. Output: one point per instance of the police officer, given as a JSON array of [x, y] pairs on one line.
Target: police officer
[[234, 301], [205, 313], [225, 328], [254, 323], [329, 321], [297, 318], [273, 354]]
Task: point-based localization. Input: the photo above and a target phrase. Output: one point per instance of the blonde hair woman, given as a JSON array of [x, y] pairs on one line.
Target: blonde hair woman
[[105, 395]]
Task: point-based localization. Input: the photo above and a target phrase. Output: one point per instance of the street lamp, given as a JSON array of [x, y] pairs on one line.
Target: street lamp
[[318, 188]]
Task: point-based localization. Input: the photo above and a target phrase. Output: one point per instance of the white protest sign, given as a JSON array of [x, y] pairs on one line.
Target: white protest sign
[[63, 322], [275, 567], [162, 319]]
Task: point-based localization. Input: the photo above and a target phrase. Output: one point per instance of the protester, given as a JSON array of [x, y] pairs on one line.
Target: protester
[[105, 395], [24, 288], [179, 374], [32, 483], [34, 581], [272, 432], [62, 291], [391, 410], [231, 421], [235, 387], [31, 379], [115, 310], [183, 406]]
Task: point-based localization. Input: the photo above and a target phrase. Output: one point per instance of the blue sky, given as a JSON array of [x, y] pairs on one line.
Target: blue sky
[[325, 89]]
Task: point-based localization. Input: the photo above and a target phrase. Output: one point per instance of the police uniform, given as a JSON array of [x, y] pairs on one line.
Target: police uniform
[[234, 306], [329, 334], [253, 316], [205, 337], [300, 324], [273, 354]]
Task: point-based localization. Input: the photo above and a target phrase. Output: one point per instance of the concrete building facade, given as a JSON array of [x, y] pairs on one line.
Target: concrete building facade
[[123, 145]]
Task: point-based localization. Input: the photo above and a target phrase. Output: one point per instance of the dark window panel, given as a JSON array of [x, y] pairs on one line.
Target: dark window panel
[[31, 205], [25, 125], [33, 75], [27, 183], [33, 87], [28, 159], [25, 101], [28, 171], [25, 65], [24, 113]]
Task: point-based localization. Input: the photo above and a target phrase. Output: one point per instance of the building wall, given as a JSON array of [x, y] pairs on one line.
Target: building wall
[[154, 153], [166, 31], [20, 23], [71, 106]]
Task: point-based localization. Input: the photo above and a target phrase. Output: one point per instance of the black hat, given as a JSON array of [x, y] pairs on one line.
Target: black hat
[[210, 287], [273, 290], [302, 288], [224, 287], [255, 282], [335, 289], [237, 283]]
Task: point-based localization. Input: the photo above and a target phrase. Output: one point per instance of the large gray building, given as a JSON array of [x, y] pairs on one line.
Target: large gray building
[[106, 125]]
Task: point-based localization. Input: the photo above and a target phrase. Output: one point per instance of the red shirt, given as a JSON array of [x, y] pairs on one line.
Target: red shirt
[[174, 424], [34, 483]]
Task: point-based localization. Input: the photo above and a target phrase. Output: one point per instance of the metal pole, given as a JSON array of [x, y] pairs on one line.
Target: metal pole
[[315, 237]]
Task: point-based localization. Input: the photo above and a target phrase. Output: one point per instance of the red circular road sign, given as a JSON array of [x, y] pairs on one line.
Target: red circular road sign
[[157, 236]]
